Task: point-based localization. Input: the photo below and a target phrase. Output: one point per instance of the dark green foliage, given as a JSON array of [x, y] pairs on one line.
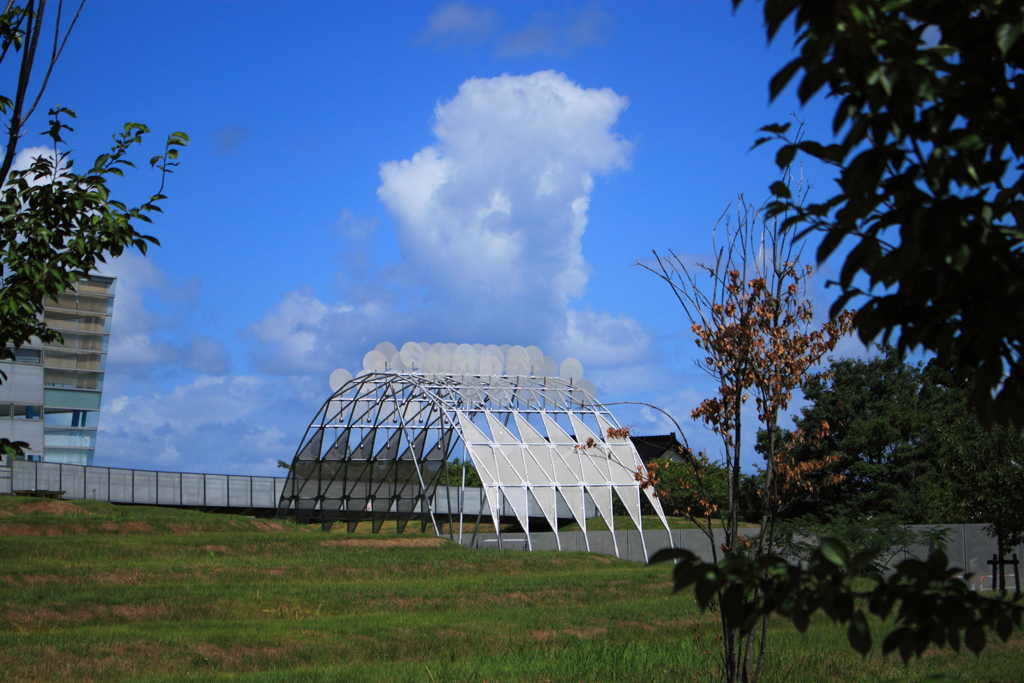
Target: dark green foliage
[[877, 425], [933, 606], [884, 536], [983, 469], [679, 490], [56, 225], [929, 126], [452, 474], [911, 448]]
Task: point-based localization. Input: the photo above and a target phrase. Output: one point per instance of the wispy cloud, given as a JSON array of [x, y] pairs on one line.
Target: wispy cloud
[[459, 22], [558, 34], [227, 138], [548, 32], [144, 341]]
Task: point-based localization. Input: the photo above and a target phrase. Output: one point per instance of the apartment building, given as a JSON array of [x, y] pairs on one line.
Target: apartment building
[[51, 397]]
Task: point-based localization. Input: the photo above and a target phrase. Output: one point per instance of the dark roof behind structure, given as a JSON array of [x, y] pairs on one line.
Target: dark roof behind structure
[[654, 447]]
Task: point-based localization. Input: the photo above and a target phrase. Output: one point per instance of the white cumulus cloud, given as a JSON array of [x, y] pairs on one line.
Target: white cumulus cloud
[[493, 212], [489, 218]]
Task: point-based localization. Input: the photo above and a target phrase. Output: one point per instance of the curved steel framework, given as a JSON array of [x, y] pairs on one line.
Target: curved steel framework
[[377, 448]]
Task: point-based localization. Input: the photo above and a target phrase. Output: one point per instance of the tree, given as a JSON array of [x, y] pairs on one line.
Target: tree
[[878, 428], [928, 136], [984, 467], [56, 224], [932, 604], [750, 317], [910, 448], [455, 470], [680, 485]]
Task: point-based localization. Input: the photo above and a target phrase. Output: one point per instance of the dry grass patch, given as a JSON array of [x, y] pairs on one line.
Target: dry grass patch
[[141, 612], [18, 529], [240, 656], [41, 617], [39, 579], [223, 549], [118, 577], [58, 508], [127, 527], [544, 635], [429, 542], [633, 625]]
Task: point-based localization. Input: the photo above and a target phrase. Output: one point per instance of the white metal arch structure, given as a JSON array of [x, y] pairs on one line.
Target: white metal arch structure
[[377, 448]]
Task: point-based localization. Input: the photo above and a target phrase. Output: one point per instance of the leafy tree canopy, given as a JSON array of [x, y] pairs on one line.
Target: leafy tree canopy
[[909, 447], [876, 424], [928, 139]]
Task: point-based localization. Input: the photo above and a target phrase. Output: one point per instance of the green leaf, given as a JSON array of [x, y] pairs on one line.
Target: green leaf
[[863, 559], [975, 639], [704, 591], [859, 634], [782, 78], [780, 189], [669, 554], [1004, 628], [894, 639], [784, 157], [1006, 36], [835, 552], [775, 128]]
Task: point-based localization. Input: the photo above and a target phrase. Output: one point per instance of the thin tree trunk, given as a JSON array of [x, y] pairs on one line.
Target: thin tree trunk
[[734, 479], [34, 22], [748, 657], [761, 650]]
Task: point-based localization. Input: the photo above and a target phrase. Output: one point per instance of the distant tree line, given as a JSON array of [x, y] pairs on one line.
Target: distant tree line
[[910, 451], [909, 447]]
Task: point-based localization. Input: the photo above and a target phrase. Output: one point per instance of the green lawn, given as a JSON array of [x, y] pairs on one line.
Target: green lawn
[[95, 592]]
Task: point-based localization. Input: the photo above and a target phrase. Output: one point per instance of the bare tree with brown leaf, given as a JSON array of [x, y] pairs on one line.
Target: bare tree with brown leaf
[[749, 312]]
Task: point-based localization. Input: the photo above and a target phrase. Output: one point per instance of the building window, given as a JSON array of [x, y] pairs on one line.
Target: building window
[[69, 438], [27, 412], [75, 361], [71, 417], [96, 284], [24, 355], [68, 456], [72, 379]]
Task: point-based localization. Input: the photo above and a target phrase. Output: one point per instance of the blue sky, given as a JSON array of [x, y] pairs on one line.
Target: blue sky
[[358, 173]]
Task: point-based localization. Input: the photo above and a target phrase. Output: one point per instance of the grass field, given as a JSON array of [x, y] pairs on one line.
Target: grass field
[[95, 592]]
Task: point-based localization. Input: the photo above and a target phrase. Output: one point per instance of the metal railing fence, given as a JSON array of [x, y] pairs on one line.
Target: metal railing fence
[[143, 487]]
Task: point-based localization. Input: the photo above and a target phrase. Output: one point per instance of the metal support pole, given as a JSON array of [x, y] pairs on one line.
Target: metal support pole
[[479, 516], [462, 500]]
